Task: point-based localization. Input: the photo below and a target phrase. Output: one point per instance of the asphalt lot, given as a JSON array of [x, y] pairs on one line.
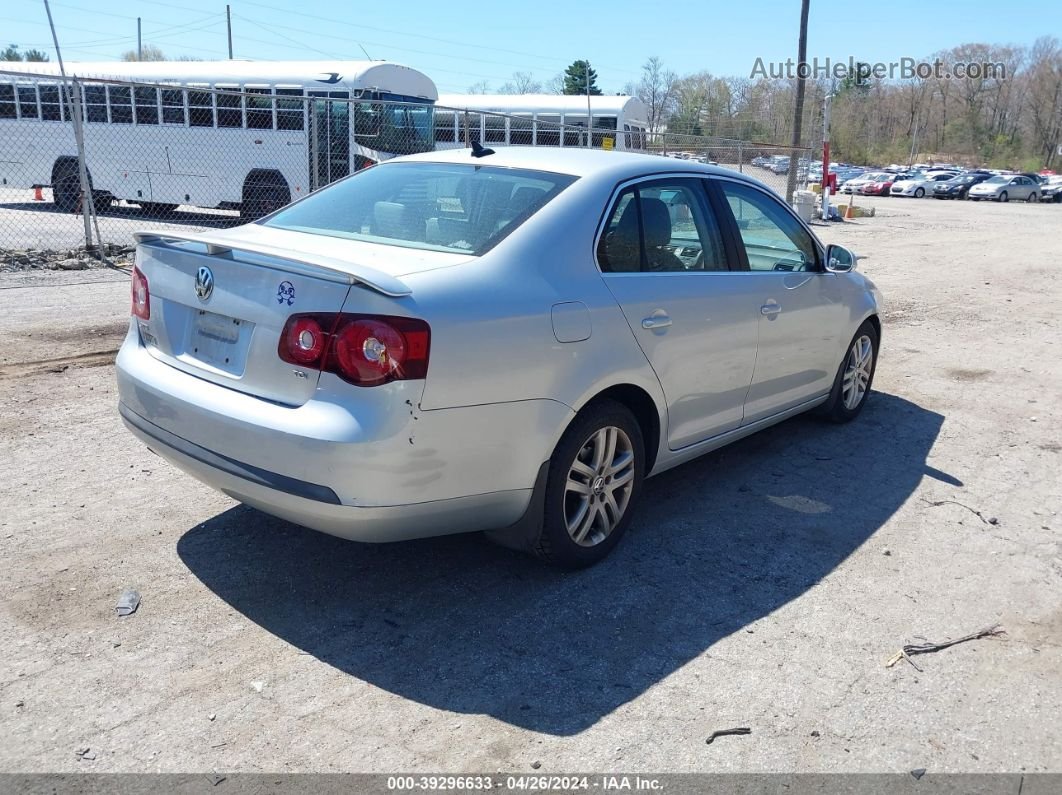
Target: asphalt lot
[[763, 586]]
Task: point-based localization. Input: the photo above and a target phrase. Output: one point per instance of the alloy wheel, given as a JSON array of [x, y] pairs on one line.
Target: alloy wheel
[[599, 486], [857, 372]]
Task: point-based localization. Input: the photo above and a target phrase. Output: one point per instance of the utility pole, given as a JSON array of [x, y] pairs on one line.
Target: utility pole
[[228, 24], [589, 113], [826, 157], [798, 111], [139, 42]]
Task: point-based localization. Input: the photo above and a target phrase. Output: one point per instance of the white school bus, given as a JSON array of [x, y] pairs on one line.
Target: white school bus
[[247, 135], [618, 122]]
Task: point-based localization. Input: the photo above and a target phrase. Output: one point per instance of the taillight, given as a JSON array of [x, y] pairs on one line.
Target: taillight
[[364, 350], [141, 296]]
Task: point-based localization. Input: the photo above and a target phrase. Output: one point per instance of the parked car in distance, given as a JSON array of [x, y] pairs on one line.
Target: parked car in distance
[[1003, 188], [957, 187], [917, 185], [1051, 191], [879, 187], [512, 343], [856, 184]]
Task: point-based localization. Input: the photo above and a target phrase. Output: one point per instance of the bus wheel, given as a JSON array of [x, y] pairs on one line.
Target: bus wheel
[[264, 191], [66, 186]]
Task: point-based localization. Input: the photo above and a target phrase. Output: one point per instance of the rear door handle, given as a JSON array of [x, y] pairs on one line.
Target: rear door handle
[[770, 309], [656, 321]]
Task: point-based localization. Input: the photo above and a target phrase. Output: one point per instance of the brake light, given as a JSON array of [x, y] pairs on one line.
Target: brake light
[[364, 350], [141, 296]]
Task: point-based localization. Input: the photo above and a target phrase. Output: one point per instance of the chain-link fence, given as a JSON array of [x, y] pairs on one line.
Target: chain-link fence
[[92, 161]]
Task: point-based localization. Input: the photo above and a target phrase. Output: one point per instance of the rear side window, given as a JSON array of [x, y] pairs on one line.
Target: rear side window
[[435, 206], [662, 226]]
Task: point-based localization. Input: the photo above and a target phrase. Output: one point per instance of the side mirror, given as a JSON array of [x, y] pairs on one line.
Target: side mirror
[[839, 259]]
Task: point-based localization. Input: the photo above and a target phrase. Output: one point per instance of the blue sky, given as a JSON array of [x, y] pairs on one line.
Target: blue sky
[[461, 43]]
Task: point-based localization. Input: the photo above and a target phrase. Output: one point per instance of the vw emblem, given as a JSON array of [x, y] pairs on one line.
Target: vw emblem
[[204, 283]]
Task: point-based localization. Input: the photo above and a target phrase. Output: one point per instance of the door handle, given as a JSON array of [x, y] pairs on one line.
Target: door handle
[[770, 309], [656, 321]]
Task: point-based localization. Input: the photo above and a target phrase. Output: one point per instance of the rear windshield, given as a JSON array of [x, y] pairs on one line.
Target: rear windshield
[[434, 206]]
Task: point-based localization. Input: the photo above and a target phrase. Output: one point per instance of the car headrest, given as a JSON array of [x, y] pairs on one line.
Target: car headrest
[[656, 223]]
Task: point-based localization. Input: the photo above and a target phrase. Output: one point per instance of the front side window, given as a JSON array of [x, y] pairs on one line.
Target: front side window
[[433, 206], [662, 226], [773, 238]]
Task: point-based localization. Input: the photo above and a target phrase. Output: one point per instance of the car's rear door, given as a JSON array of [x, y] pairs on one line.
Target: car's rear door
[[664, 257]]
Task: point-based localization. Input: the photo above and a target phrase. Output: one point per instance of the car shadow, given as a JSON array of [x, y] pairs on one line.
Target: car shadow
[[461, 625]]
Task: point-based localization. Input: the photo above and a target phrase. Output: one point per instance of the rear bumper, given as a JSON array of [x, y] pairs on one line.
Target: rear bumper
[[378, 469], [318, 508]]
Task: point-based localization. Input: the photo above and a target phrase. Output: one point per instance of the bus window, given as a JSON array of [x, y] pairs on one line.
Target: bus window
[[95, 103], [121, 105], [495, 129], [27, 102], [200, 109], [146, 104], [604, 127], [445, 126], [573, 135], [259, 109], [520, 130], [289, 111], [172, 106], [548, 130], [8, 109], [230, 106], [51, 109]]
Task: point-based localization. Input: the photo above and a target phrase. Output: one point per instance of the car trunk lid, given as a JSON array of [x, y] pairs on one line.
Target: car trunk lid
[[219, 302]]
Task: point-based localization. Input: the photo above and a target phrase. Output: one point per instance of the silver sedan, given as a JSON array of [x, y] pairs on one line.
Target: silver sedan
[[512, 342], [1004, 188]]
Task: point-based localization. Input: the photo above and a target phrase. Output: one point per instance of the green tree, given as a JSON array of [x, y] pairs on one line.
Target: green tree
[[11, 53], [575, 77]]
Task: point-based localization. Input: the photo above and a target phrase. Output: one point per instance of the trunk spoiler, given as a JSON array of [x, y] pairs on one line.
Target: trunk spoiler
[[308, 265]]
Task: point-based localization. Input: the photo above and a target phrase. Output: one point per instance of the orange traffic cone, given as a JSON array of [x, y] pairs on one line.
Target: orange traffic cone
[[848, 214], [37, 195]]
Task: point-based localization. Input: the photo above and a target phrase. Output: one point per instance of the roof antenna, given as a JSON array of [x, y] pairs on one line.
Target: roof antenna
[[478, 150]]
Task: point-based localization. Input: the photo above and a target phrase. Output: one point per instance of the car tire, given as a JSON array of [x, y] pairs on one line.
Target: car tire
[[919, 193], [1033, 198], [603, 442], [843, 405], [1004, 197]]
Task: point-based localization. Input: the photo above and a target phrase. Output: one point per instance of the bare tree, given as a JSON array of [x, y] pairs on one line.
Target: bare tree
[[657, 90], [149, 52], [555, 85], [521, 83], [482, 87]]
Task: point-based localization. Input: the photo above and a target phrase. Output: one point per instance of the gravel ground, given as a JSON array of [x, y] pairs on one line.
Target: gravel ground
[[763, 586]]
